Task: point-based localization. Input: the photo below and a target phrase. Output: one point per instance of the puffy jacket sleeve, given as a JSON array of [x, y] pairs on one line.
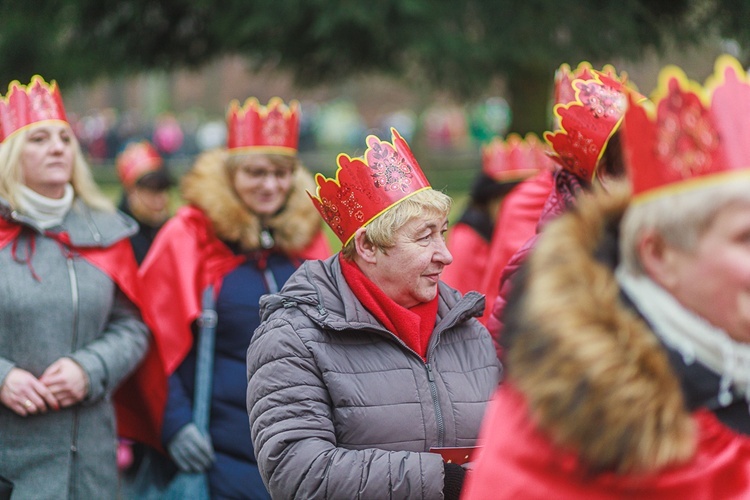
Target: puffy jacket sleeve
[[293, 431]]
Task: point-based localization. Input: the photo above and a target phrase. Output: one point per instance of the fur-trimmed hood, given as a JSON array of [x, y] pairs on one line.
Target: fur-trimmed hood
[[595, 377], [208, 187]]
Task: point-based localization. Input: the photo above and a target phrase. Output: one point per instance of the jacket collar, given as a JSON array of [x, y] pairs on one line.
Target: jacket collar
[[85, 227]]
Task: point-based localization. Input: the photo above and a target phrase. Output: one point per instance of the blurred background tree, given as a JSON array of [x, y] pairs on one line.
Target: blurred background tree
[[456, 46]]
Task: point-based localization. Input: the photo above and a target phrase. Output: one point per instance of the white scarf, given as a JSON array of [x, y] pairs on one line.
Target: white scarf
[[47, 212], [691, 335]]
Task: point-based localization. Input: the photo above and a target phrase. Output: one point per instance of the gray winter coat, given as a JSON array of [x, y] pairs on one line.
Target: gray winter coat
[[74, 310], [340, 407]]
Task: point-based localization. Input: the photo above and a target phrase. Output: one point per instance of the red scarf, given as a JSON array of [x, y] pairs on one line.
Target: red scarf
[[413, 326]]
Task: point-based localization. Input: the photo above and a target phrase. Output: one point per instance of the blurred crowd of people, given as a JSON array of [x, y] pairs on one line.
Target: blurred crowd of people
[[579, 332], [104, 133]]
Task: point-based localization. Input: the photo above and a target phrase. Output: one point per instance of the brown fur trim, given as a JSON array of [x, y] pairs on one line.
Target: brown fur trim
[[208, 187], [594, 375]]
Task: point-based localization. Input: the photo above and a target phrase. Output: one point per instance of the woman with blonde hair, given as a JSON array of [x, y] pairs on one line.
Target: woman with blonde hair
[[70, 331], [246, 227], [365, 363]]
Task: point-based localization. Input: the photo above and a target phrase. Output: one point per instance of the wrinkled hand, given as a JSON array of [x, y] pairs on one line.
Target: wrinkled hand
[[26, 395], [191, 450], [67, 381]]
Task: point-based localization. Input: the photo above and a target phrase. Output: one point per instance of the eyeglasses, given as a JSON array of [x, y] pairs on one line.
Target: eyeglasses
[[261, 174]]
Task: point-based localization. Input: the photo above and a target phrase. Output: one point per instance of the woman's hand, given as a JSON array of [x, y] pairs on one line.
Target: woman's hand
[[26, 395], [67, 381], [191, 450]]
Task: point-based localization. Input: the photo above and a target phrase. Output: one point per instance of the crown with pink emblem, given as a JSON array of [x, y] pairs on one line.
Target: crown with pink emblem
[[270, 129], [689, 135], [363, 188], [589, 106], [24, 105], [136, 160], [515, 158]]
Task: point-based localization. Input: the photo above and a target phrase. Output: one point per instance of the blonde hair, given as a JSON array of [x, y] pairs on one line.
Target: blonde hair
[[382, 230], [680, 218], [82, 181]]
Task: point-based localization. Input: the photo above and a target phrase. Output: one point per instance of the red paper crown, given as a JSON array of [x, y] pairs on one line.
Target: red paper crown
[[515, 158], [270, 129], [364, 188], [26, 104], [565, 92], [137, 159], [689, 135], [587, 119]]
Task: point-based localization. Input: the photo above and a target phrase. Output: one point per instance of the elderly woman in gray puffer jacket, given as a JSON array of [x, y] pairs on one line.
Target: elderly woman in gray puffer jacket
[[365, 361]]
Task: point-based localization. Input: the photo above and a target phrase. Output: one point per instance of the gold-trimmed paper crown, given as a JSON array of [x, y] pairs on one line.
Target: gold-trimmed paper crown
[[24, 105], [363, 188], [515, 158], [689, 135], [589, 108], [136, 160], [270, 129]]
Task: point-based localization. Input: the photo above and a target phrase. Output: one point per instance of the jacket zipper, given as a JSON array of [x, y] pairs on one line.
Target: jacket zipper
[[74, 432], [428, 367], [436, 404]]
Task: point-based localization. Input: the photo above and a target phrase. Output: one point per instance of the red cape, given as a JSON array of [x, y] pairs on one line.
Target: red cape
[[140, 399], [516, 223], [185, 258], [518, 461], [470, 255]]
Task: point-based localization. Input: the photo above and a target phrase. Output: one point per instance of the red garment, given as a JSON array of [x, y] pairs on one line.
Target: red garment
[[516, 223], [185, 258], [140, 399], [563, 197], [319, 248], [8, 232], [413, 326], [519, 461], [470, 253]]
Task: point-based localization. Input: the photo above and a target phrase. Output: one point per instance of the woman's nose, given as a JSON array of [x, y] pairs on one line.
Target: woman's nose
[[443, 255]]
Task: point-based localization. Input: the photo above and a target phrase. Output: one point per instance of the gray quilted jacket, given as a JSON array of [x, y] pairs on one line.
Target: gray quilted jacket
[[339, 407]]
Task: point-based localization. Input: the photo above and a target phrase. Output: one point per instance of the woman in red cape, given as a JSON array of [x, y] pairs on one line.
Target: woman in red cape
[[71, 333], [247, 225], [626, 343]]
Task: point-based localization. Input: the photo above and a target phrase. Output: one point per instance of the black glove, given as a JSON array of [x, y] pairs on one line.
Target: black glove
[[191, 450], [454, 480]]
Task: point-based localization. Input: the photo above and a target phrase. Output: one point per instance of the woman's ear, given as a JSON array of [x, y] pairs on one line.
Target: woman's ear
[[365, 248], [659, 259]]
